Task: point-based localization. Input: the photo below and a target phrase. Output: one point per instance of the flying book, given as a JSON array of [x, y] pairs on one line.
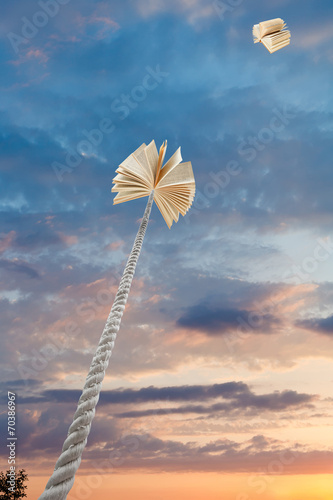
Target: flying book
[[143, 172], [272, 34]]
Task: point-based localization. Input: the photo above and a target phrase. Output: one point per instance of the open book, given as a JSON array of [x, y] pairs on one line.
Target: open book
[[272, 34], [143, 171]]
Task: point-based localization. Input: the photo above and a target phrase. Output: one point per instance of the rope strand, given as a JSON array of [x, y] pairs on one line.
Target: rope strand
[[62, 479]]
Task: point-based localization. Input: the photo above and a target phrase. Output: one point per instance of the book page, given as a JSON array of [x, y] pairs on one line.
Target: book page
[[164, 211], [265, 42], [183, 197], [171, 209], [141, 157], [256, 33], [129, 184], [180, 175], [279, 36], [179, 190], [161, 157], [152, 158], [175, 159], [121, 178], [279, 46], [267, 27], [274, 45], [135, 177], [132, 164], [128, 195], [181, 205], [186, 186], [140, 148]]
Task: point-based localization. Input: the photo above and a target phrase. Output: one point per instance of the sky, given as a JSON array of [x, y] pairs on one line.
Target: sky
[[219, 385]]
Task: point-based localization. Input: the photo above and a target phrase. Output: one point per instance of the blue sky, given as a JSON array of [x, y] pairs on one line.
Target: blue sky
[[256, 243]]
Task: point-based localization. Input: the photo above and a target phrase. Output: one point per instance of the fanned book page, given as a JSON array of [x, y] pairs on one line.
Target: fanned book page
[[272, 34], [143, 171]]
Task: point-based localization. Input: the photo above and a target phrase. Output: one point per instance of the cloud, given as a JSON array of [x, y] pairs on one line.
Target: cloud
[[235, 395], [194, 11], [18, 384], [20, 267], [148, 394], [217, 320], [6, 241], [40, 432], [321, 325], [270, 402], [223, 455], [313, 36], [102, 23], [42, 238], [31, 54], [116, 245]]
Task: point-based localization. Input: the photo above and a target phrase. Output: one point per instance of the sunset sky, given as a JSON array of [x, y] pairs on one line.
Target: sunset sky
[[220, 382]]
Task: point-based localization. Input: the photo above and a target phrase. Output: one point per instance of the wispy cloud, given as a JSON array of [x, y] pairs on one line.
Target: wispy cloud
[[320, 325], [313, 36], [18, 266]]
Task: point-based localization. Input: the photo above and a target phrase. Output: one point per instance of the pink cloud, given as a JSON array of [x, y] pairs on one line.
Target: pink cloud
[[67, 239], [115, 245], [104, 22], [155, 299], [6, 241], [33, 54]]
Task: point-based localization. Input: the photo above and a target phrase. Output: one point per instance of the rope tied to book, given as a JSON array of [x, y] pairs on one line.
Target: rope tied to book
[[147, 166]]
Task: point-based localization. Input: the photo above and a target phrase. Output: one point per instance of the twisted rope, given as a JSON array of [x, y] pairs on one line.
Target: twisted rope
[[62, 479]]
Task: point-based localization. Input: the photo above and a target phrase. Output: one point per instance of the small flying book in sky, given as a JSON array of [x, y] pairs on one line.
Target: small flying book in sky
[[272, 34], [143, 172]]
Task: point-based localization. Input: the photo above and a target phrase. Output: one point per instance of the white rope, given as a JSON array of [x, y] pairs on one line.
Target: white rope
[[69, 461]]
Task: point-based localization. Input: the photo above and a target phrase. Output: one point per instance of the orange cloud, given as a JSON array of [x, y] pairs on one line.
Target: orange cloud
[[289, 299]]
